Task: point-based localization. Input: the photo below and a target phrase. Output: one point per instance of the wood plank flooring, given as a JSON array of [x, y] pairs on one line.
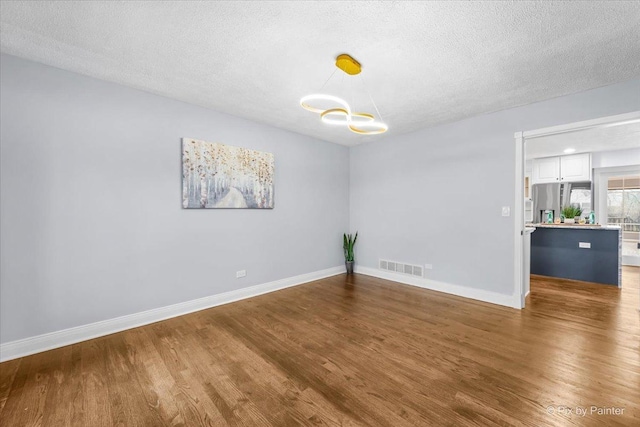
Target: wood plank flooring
[[350, 351]]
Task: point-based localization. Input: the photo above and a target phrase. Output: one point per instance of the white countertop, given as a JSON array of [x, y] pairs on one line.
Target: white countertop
[[576, 226]]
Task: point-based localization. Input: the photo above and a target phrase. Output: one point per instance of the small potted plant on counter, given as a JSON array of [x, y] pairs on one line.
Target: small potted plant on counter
[[349, 243], [570, 214]]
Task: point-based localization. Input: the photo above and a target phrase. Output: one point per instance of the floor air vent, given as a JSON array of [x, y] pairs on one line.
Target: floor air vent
[[398, 267]]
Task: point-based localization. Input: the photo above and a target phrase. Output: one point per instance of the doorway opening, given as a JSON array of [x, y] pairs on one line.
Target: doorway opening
[[573, 164]]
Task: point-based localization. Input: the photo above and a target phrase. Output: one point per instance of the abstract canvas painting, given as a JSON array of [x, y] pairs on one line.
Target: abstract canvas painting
[[221, 176]]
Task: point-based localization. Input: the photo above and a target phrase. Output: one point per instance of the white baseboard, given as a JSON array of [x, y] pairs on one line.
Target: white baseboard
[[462, 291], [49, 341]]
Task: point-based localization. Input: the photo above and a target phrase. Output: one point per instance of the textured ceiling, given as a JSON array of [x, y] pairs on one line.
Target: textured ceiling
[[585, 141], [425, 63]]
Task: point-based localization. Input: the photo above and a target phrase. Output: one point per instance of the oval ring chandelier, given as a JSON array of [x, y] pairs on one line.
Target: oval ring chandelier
[[339, 111]]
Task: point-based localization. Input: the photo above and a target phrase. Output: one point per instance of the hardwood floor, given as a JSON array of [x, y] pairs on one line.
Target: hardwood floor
[[350, 351]]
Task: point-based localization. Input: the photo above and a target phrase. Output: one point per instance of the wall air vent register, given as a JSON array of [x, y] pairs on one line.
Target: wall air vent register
[[399, 267]]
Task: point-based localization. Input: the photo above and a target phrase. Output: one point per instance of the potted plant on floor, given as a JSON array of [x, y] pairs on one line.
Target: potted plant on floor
[[349, 243], [570, 214]]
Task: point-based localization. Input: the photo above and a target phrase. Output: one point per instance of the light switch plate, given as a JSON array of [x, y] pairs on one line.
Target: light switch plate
[[506, 211], [241, 273]]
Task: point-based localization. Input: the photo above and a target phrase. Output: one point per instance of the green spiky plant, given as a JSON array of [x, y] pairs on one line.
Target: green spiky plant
[[349, 243], [571, 211]]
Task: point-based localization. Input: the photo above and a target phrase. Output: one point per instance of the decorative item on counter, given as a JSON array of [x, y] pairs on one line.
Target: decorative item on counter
[[592, 217], [582, 221], [570, 213], [549, 217], [556, 221]]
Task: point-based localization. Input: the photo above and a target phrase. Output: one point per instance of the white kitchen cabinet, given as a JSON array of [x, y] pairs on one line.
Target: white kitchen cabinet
[[546, 170], [576, 167]]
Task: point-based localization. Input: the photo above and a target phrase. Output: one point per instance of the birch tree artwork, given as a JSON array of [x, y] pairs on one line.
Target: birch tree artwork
[[221, 176]]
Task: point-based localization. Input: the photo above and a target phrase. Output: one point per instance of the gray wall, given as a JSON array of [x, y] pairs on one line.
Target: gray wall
[[612, 159], [91, 219], [435, 196]]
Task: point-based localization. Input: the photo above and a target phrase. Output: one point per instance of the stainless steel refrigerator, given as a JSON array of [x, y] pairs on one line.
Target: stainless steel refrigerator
[[554, 196]]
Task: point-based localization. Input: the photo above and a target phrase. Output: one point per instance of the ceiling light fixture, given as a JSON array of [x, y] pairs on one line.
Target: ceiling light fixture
[[570, 150], [334, 110]]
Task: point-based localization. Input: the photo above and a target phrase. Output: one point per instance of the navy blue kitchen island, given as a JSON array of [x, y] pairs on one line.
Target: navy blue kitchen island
[[579, 252]]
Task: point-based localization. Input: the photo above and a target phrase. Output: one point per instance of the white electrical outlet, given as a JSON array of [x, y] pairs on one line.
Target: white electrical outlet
[[506, 211], [241, 273], [428, 266], [584, 245]]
